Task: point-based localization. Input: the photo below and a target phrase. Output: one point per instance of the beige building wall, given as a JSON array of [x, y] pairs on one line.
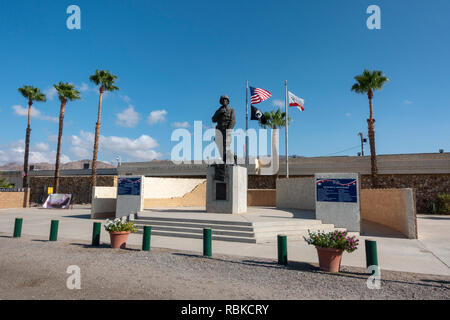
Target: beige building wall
[[394, 208]]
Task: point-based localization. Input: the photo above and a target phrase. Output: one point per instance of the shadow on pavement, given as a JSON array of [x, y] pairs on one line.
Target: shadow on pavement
[[102, 245], [436, 218], [79, 216], [294, 265]]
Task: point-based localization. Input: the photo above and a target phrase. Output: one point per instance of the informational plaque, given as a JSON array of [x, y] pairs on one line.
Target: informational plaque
[[221, 191], [129, 186], [337, 190]]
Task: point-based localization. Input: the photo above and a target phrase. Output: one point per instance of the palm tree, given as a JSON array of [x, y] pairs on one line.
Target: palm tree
[[66, 92], [274, 120], [367, 83], [105, 80], [32, 94]]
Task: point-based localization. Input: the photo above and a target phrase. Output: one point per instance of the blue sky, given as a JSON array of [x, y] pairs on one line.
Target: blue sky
[[175, 58]]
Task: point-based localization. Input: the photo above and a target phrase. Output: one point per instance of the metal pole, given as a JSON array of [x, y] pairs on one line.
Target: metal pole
[[207, 243], [282, 250], [18, 228], [54, 230], [287, 125], [371, 253], [96, 234], [362, 143], [246, 127], [146, 238]]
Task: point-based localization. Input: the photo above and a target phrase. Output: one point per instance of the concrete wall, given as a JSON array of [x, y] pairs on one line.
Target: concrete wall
[[427, 186], [262, 197], [103, 202], [14, 199], [394, 208], [296, 193], [195, 198], [166, 188]]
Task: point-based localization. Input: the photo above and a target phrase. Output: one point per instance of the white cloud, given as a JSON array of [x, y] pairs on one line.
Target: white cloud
[[83, 87], [137, 149], [42, 146], [156, 116], [34, 113], [80, 152], [128, 118], [125, 98], [15, 151], [278, 103], [53, 138], [348, 114], [407, 102], [50, 93], [184, 124]]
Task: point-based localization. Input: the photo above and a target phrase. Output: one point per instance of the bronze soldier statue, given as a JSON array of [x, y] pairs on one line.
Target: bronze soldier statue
[[226, 119]]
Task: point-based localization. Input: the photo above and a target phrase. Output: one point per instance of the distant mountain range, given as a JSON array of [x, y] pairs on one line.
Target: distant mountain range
[[51, 166]]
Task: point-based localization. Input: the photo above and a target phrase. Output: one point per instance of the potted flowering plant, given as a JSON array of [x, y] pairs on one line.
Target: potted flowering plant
[[330, 247], [119, 230]]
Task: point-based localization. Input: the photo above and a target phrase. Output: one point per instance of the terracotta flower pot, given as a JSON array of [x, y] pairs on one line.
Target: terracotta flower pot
[[329, 259], [119, 239]]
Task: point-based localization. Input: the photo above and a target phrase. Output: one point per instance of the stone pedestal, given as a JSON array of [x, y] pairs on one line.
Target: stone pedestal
[[230, 195]]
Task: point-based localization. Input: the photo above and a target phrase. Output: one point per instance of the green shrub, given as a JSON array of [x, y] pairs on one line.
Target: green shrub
[[5, 184], [443, 203]]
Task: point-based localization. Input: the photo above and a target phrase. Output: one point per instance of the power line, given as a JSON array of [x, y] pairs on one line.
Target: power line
[[357, 146]]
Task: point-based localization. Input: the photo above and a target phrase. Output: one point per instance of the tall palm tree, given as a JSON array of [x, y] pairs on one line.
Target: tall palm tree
[[105, 80], [66, 92], [274, 120], [32, 94], [367, 83]]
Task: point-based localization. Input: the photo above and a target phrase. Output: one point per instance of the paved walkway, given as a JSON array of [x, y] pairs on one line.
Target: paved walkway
[[430, 254]]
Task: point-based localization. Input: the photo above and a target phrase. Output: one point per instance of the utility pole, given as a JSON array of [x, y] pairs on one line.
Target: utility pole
[[363, 140]]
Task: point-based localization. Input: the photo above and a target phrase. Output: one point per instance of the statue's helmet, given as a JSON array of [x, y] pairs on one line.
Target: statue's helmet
[[224, 96]]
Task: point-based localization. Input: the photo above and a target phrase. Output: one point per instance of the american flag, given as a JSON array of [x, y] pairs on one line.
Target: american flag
[[258, 95]]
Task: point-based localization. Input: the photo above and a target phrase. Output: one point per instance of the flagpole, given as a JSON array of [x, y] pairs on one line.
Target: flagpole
[[287, 128], [246, 127]]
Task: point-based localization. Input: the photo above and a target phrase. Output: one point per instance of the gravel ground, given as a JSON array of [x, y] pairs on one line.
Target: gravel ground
[[33, 268]]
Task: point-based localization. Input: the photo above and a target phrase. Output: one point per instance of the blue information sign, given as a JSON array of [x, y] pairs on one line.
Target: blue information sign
[[129, 186], [337, 190]]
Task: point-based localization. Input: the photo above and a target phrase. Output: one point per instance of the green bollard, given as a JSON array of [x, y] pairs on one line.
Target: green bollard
[[207, 243], [18, 228], [96, 234], [282, 250], [54, 230], [371, 253], [146, 238]]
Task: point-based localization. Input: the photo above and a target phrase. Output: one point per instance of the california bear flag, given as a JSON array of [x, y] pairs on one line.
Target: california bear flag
[[295, 101]]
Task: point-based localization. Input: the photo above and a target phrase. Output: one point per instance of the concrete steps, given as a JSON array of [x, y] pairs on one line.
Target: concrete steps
[[228, 230]]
